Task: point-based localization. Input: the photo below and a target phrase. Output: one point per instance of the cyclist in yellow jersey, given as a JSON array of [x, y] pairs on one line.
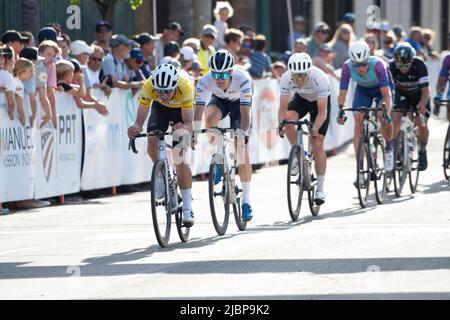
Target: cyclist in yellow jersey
[[169, 97]]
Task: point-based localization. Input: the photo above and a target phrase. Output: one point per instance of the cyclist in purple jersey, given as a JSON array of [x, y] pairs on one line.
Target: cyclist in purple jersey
[[374, 82]]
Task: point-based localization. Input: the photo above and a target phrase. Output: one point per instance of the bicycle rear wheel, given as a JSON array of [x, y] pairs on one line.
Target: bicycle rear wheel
[[183, 232], [379, 171], [237, 212], [447, 155], [400, 171], [310, 183], [218, 196], [414, 161], [160, 204], [363, 172], [295, 186]]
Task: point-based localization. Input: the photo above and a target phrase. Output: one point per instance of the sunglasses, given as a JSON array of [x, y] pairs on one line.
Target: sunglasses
[[403, 65], [164, 91], [96, 59], [298, 76], [361, 64], [220, 76]]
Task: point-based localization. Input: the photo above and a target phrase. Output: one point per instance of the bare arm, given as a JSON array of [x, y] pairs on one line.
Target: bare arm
[[11, 104], [386, 92], [198, 116], [284, 101], [45, 103], [52, 100], [245, 117], [341, 97], [20, 110]]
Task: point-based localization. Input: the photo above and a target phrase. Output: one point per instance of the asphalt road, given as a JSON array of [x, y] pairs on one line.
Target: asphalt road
[[106, 248]]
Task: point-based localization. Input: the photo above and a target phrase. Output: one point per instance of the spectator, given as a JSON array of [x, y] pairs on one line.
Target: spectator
[[259, 60], [300, 46], [65, 74], [399, 33], [245, 51], [134, 64], [279, 68], [114, 67], [372, 41], [57, 27], [299, 28], [103, 35], [319, 36], [172, 32], [343, 38], [194, 43], [350, 19], [23, 71], [81, 52], [209, 35], [15, 40], [147, 46], [7, 79], [427, 42], [93, 69], [222, 12], [48, 34], [46, 81], [64, 45], [248, 30], [31, 42], [415, 40], [30, 86], [171, 51], [323, 60], [186, 58], [233, 43], [389, 46]]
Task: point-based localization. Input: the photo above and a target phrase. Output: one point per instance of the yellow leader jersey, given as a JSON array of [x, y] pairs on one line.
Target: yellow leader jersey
[[183, 97]]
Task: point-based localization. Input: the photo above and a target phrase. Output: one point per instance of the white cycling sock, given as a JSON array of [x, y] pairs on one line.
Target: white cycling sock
[[246, 192], [320, 182], [187, 199]]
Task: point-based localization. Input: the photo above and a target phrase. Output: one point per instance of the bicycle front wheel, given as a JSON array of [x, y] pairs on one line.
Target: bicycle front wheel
[[447, 155], [414, 161], [363, 172], [379, 171], [218, 196], [295, 186], [160, 203]]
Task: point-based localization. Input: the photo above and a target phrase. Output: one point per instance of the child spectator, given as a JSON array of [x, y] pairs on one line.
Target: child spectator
[[259, 60], [222, 12], [23, 71], [31, 54], [64, 45], [7, 79], [46, 77]]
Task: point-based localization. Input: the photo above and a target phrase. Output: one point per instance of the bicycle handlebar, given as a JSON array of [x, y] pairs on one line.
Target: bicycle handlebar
[[298, 123], [156, 133]]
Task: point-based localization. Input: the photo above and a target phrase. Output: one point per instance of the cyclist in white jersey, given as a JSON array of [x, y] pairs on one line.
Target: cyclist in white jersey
[[231, 94], [306, 89]]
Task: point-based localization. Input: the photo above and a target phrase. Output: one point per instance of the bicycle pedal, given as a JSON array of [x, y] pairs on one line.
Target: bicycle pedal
[[373, 177], [319, 202], [187, 225]]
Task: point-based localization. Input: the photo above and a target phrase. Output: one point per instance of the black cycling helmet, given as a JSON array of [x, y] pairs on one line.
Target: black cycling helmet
[[404, 53], [221, 61]]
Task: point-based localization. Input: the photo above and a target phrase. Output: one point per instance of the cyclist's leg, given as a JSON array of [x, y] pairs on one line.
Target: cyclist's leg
[[361, 99], [294, 112], [320, 157], [215, 111], [424, 132], [387, 129], [399, 103], [157, 121]]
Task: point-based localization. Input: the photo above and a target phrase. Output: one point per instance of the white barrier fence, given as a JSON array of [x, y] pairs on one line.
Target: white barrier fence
[[48, 162]]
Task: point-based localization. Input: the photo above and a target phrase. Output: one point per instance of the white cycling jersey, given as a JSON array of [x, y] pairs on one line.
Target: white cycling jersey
[[318, 85], [240, 88]]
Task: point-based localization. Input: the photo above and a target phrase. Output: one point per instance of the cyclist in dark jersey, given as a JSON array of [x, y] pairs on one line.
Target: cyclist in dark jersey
[[444, 77], [410, 75]]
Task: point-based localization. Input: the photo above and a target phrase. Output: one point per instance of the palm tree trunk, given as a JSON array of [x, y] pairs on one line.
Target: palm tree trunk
[[106, 9], [244, 13], [30, 16], [181, 12]]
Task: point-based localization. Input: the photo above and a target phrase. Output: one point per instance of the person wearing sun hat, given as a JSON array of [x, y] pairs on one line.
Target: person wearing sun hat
[[15, 40]]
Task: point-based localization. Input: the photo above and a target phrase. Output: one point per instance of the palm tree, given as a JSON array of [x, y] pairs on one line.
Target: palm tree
[[181, 12], [30, 15]]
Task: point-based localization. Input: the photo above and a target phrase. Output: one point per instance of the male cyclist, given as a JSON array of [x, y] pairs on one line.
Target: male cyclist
[[171, 96], [411, 90], [312, 90], [373, 82], [444, 77], [231, 90]]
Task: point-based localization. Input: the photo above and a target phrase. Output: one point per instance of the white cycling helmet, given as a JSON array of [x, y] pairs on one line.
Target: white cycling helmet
[[359, 52], [221, 61], [300, 63], [165, 77]]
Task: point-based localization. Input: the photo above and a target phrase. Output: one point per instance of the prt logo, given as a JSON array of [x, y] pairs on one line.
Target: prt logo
[[73, 22], [374, 17]]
